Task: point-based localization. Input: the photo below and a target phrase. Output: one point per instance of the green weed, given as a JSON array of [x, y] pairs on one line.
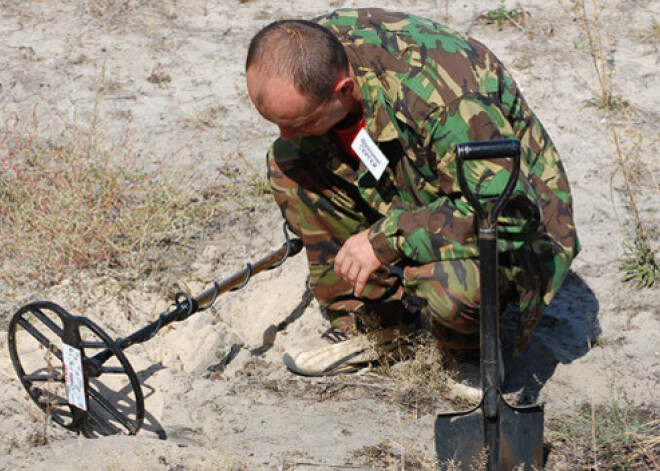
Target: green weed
[[503, 15], [639, 265], [581, 45], [607, 100]]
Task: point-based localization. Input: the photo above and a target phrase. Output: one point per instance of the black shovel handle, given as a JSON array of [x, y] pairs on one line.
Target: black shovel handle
[[486, 150]]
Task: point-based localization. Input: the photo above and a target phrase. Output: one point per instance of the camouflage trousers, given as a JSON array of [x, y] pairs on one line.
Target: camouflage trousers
[[324, 212]]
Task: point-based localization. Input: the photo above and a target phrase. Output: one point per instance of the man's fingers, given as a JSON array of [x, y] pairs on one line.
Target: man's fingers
[[356, 261], [353, 273], [339, 260], [360, 283]]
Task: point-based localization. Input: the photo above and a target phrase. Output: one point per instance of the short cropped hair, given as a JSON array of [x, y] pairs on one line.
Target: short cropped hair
[[300, 50]]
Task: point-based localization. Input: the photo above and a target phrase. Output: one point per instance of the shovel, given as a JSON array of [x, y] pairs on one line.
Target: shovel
[[493, 435]]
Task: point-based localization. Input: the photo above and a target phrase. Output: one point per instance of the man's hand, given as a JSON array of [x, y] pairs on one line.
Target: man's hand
[[356, 261]]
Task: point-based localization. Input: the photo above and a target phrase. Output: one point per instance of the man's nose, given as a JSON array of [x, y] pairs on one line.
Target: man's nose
[[287, 132]]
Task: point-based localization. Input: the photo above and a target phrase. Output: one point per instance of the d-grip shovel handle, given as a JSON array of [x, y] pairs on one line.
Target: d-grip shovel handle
[[482, 150]]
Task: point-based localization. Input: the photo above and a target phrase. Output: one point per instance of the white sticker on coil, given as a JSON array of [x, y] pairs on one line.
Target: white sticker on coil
[[73, 376]]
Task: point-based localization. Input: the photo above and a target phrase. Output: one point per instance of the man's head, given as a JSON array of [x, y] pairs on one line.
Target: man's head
[[299, 78]]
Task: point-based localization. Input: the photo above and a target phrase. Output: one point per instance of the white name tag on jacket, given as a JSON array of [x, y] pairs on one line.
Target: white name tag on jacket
[[369, 153]]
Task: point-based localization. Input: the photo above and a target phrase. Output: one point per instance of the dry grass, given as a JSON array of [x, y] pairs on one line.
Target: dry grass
[[423, 368], [385, 456], [612, 435], [103, 8], [639, 264], [651, 34], [69, 202], [420, 378], [206, 117], [605, 438], [108, 10]]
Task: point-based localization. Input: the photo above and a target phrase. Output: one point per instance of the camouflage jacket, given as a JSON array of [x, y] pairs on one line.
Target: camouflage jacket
[[426, 89]]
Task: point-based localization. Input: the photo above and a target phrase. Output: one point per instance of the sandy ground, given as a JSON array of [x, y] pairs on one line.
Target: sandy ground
[[172, 72]]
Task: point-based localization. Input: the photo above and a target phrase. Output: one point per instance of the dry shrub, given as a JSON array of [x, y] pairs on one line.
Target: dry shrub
[[640, 263], [424, 369], [420, 378], [103, 8]]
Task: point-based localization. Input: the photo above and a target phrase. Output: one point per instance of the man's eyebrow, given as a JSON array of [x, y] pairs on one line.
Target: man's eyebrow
[[302, 121], [305, 122]]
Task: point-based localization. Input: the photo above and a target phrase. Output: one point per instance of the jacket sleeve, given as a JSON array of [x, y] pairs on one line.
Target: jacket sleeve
[[444, 229]]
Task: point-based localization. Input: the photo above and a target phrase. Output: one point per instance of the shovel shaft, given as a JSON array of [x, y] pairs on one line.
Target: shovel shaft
[[489, 324], [489, 336]]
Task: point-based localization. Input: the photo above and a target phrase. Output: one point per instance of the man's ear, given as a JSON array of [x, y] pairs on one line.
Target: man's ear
[[344, 86]]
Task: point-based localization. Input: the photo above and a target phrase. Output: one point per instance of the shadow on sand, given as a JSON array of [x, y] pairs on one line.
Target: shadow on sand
[[566, 331]]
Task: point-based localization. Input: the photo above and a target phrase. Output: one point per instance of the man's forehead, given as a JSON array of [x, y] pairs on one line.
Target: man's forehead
[[278, 100]]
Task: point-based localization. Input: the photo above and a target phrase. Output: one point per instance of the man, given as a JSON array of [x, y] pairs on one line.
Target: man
[[370, 106]]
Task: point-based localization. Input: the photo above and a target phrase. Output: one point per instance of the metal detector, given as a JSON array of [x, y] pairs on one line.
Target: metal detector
[[79, 376]]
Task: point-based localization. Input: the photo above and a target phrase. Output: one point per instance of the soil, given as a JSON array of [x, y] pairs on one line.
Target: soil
[[217, 395]]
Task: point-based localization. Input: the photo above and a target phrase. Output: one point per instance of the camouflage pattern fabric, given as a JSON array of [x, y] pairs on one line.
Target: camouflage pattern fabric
[[426, 89]]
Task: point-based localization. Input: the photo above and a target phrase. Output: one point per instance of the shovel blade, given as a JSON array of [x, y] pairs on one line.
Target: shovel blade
[[461, 444]]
